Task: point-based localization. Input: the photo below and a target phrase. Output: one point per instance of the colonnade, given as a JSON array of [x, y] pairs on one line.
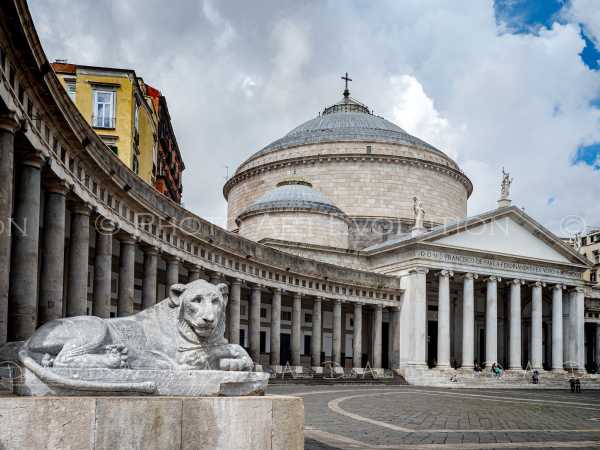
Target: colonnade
[[573, 336]]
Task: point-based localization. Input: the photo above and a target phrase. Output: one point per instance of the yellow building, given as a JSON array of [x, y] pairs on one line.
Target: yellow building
[[117, 105]]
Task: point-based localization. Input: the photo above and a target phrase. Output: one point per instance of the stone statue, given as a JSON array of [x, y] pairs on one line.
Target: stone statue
[[505, 185], [184, 332], [419, 213]]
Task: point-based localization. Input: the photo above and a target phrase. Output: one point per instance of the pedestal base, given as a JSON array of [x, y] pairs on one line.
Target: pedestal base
[[33, 423]]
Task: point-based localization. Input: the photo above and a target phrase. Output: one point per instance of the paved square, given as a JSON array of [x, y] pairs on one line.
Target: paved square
[[406, 417]]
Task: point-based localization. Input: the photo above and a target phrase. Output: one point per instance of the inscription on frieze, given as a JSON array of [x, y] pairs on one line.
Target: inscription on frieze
[[493, 263]]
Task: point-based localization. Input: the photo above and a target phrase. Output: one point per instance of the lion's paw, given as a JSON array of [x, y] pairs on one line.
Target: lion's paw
[[230, 364], [116, 356]]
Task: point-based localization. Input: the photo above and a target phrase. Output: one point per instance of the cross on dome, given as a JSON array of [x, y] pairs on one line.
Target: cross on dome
[[346, 79]]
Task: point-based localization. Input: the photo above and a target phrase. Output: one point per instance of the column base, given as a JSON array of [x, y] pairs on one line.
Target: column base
[[442, 366], [471, 367]]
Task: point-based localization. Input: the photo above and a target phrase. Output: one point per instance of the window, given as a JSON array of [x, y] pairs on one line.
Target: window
[[593, 278], [307, 318], [136, 116], [286, 315], [242, 337], [104, 109], [71, 89], [135, 164], [263, 313], [114, 148]]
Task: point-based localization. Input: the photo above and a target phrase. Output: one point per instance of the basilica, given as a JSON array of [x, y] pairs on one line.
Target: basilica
[[353, 189]]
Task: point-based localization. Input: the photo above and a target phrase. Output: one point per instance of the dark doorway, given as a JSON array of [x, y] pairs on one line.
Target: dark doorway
[[385, 345], [285, 350], [481, 358], [431, 343]]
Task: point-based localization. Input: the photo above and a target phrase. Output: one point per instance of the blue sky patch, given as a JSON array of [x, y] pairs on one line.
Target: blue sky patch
[[528, 16], [588, 154]]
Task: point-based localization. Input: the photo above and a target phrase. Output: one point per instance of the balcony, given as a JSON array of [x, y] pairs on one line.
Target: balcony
[[107, 123]]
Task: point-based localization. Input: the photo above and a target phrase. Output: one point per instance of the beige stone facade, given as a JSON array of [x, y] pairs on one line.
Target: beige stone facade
[[297, 226], [366, 186]]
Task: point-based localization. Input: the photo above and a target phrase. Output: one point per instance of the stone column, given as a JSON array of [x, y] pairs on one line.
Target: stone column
[[337, 332], [150, 276], [276, 327], [193, 274], [22, 319], [234, 311], [79, 251], [296, 329], [53, 253], [557, 327], [580, 327], [377, 325], [357, 336], [491, 321], [172, 271], [254, 323], [215, 278], [443, 338], [395, 311], [315, 341], [8, 127], [536, 325], [126, 277], [515, 325], [417, 287], [571, 361], [468, 336], [102, 274]]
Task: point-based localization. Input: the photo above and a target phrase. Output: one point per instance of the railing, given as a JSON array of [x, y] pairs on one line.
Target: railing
[[104, 122]]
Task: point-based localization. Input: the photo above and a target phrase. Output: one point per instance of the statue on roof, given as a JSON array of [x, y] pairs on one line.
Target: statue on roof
[[419, 213], [505, 185]]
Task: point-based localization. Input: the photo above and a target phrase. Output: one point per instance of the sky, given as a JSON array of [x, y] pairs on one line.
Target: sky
[[505, 83]]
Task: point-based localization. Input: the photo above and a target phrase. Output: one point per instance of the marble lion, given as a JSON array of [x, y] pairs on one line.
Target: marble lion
[[183, 332]]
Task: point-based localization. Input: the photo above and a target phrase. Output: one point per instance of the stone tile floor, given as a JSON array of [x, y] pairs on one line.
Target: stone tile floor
[[405, 417]]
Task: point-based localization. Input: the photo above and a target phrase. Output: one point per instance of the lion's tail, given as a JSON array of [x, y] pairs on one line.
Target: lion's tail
[[48, 377]]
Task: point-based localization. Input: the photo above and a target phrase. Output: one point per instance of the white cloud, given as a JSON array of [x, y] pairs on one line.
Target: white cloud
[[240, 75]]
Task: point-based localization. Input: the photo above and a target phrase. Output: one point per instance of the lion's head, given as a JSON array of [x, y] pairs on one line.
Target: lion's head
[[201, 310]]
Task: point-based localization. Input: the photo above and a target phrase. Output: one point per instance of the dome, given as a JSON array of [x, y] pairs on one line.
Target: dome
[[347, 120], [293, 193]]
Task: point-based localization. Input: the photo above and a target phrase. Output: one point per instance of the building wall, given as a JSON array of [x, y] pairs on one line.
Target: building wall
[[364, 188], [310, 228], [590, 247], [148, 138]]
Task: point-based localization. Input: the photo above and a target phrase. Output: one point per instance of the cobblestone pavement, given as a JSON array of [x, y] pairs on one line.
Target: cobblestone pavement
[[407, 417]]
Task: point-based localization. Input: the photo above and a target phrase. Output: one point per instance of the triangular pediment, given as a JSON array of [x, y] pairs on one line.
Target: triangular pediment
[[508, 234]]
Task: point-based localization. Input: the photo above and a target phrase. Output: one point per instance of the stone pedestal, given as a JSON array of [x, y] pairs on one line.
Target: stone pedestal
[[82, 423]]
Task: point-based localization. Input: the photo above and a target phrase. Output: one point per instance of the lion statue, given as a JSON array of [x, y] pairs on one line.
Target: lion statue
[[182, 332]]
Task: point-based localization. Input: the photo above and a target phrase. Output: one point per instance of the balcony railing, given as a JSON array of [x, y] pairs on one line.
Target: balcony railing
[[104, 122]]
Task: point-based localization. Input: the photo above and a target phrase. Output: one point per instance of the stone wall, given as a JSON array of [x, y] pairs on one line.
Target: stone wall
[[368, 187], [297, 226]]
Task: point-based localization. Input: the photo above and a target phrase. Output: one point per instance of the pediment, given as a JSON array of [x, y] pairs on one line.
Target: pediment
[[505, 235]]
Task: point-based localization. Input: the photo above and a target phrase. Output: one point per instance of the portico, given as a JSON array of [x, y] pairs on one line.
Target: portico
[[495, 288]]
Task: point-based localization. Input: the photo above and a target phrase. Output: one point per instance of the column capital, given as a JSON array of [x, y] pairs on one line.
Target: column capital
[[172, 258], [318, 299], [33, 158], [150, 250], [236, 281], [394, 308], [538, 284], [516, 281], [358, 304], [379, 307], [492, 279], [277, 290], [470, 276], [297, 295], [445, 273], [338, 300], [56, 185], [418, 270], [559, 287], [577, 289], [79, 207], [127, 239], [257, 287], [9, 122]]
